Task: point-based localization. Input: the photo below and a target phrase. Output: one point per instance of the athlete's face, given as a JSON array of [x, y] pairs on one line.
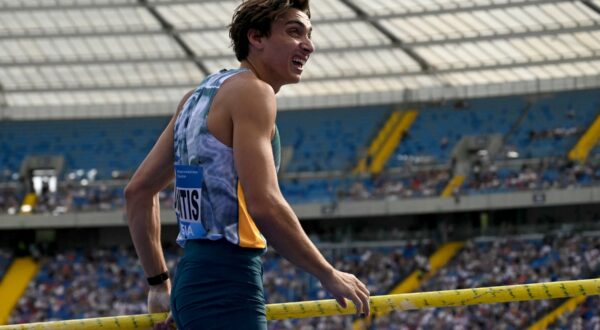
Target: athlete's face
[[288, 47]]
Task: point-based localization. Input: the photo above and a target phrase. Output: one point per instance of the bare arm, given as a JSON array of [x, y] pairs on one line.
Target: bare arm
[[253, 115], [142, 205]]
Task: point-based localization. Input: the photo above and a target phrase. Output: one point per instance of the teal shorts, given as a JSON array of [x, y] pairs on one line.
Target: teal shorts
[[218, 285]]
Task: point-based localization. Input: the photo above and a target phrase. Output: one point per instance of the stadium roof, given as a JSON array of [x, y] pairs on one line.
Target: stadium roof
[[79, 58]]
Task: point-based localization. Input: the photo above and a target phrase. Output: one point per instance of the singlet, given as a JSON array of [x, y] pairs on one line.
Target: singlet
[[209, 199]]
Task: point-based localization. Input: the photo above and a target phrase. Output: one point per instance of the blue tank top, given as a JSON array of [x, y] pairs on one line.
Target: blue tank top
[[210, 201]]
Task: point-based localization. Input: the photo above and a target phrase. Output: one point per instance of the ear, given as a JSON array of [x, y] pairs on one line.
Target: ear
[[255, 38]]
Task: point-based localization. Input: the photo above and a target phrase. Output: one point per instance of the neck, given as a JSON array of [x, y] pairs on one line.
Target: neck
[[260, 72]]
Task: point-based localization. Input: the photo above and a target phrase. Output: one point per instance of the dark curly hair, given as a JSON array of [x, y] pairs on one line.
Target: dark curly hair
[[259, 15]]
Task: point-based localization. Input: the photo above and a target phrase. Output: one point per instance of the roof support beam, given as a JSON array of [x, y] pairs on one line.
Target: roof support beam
[[88, 62], [199, 58], [468, 6], [78, 34], [442, 10], [183, 85], [592, 6], [508, 36], [56, 5], [53, 6], [449, 8], [525, 65], [179, 32]]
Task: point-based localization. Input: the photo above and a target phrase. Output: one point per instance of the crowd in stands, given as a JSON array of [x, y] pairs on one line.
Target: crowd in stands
[[555, 133], [103, 282], [99, 196], [328, 143], [76, 284], [410, 183], [584, 317], [379, 268], [503, 262], [10, 200], [545, 174]]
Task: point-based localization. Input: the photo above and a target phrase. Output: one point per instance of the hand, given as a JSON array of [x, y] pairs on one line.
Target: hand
[[344, 285], [159, 302]]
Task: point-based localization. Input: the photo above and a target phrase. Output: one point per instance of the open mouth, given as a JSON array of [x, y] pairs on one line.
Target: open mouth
[[298, 62]]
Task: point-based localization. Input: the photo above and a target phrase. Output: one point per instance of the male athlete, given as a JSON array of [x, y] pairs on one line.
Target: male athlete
[[222, 149]]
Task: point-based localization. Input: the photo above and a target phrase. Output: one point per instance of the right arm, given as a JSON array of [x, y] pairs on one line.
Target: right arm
[[143, 212], [253, 112]]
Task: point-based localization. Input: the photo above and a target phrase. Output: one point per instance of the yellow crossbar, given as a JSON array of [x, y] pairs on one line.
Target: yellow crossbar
[[379, 304], [413, 281]]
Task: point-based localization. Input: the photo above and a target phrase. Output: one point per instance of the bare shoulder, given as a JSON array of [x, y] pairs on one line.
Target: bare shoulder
[[244, 92], [247, 82]]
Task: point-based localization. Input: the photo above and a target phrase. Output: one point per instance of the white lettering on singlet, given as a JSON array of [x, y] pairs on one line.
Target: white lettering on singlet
[[186, 230], [187, 204]]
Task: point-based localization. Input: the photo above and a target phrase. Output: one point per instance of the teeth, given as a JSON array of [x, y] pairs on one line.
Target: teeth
[[297, 60]]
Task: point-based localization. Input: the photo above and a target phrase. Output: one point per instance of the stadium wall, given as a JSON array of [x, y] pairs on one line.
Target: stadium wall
[[346, 209]]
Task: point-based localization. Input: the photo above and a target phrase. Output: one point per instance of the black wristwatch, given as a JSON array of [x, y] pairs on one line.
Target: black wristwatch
[[158, 279]]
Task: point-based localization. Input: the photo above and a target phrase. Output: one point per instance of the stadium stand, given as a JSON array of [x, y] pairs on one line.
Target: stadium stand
[[584, 317], [82, 283], [101, 144], [322, 151], [541, 174], [553, 124], [494, 109], [85, 283], [332, 140], [91, 283], [78, 283], [438, 128], [504, 261]]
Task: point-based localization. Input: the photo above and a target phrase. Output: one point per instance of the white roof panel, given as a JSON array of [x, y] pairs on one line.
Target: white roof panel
[[330, 9], [95, 51], [494, 22], [115, 98], [365, 62], [104, 75], [516, 50], [59, 3], [209, 43], [198, 15], [89, 48], [347, 34]]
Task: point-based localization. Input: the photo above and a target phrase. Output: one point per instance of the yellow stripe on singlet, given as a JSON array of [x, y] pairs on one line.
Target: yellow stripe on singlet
[[250, 236]]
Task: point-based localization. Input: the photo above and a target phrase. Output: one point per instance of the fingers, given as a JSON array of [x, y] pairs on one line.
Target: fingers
[[345, 285], [341, 300], [158, 302], [361, 302], [357, 303], [364, 297], [358, 293], [361, 297], [167, 324]]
